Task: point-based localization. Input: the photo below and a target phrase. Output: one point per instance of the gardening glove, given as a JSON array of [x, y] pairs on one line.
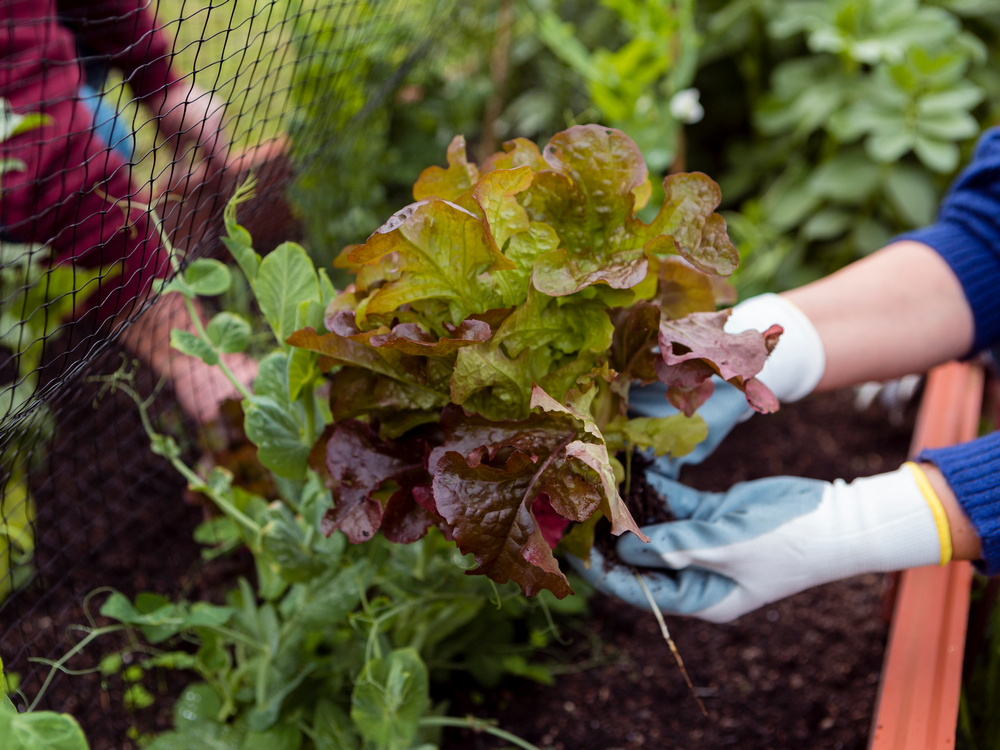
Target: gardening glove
[[791, 372], [732, 552]]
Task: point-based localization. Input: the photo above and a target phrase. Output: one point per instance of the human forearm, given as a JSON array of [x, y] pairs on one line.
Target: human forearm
[[898, 311]]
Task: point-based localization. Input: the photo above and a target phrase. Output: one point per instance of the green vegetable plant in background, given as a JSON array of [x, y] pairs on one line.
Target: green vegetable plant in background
[[859, 111], [36, 730], [643, 86]]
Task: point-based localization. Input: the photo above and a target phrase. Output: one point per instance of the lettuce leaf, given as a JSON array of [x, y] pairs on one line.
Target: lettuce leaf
[[480, 363]]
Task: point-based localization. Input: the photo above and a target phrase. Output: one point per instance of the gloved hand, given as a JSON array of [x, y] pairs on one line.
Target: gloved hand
[[792, 371], [730, 553]]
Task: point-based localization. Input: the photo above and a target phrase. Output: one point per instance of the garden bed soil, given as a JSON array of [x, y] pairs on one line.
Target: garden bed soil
[[802, 672]]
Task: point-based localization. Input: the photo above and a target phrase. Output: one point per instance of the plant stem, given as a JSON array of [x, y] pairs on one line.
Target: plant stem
[[200, 329], [670, 641], [476, 725], [69, 655]]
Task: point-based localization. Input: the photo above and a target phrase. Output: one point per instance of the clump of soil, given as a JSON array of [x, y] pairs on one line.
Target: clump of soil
[[644, 503], [802, 672]]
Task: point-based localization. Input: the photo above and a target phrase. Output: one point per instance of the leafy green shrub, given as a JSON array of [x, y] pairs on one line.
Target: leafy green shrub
[[859, 113]]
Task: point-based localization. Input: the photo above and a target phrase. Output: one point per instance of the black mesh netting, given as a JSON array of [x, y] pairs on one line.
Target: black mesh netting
[[126, 127]]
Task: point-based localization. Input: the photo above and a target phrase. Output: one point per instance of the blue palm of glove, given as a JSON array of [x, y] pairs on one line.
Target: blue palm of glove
[[714, 541], [726, 408]]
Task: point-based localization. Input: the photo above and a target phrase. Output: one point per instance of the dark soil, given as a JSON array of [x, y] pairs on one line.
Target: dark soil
[[109, 514], [800, 673]]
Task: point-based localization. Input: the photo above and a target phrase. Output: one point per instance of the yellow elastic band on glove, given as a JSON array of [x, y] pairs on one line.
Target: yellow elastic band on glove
[[940, 517]]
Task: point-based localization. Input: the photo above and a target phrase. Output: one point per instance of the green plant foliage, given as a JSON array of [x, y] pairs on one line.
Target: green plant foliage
[[860, 113], [36, 730]]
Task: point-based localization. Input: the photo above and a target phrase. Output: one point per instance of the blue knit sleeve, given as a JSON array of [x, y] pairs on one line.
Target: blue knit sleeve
[[967, 235], [973, 473]]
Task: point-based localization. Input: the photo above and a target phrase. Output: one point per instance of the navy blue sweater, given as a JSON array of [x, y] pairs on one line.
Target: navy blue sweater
[[967, 235]]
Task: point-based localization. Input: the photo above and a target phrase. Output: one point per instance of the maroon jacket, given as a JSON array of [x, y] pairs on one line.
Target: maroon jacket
[[75, 195]]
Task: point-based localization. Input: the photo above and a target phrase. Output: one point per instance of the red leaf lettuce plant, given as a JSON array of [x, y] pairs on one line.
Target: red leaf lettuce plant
[[481, 362]]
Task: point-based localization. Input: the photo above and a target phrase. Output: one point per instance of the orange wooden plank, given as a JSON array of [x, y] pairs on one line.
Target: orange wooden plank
[[918, 698]]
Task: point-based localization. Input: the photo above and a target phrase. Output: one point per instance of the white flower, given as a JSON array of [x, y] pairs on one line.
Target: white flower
[[686, 108]]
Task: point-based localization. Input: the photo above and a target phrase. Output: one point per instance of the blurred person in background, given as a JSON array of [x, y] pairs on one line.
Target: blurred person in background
[[76, 195]]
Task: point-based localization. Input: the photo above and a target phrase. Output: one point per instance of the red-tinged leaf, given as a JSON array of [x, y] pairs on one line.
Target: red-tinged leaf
[[714, 252], [551, 524], [683, 289], [409, 338], [689, 399], [358, 463], [771, 336], [594, 455], [517, 153], [701, 336], [450, 183], [759, 396], [502, 214], [696, 347], [687, 224], [489, 510], [633, 354], [536, 436], [404, 520], [494, 318]]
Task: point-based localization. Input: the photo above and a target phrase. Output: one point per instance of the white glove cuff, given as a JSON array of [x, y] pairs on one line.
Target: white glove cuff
[[891, 520], [797, 363]]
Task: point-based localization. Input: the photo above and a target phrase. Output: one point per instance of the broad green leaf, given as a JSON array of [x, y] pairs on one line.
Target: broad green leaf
[[286, 277], [889, 146], [302, 371], [207, 277], [451, 183], [676, 435], [442, 253], [333, 728], [941, 156], [284, 736], [198, 702], [502, 214], [278, 437], [488, 382], [828, 224], [229, 333], [950, 126], [389, 698], [964, 96], [588, 198], [912, 194], [40, 730], [188, 343], [568, 328]]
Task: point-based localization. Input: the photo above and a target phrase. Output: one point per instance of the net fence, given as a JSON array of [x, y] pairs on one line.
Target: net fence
[[126, 127]]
